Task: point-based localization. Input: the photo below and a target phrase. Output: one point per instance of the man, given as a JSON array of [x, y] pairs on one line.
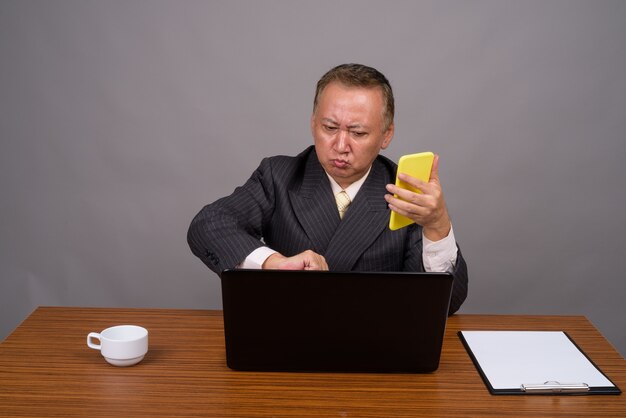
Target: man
[[329, 207]]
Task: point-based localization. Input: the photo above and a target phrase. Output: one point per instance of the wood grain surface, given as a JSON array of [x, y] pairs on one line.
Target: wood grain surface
[[46, 369]]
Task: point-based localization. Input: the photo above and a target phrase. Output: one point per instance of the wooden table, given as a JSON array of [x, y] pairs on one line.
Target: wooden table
[[46, 369]]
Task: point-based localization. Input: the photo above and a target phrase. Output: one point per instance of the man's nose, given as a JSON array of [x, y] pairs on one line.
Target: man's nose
[[341, 143]]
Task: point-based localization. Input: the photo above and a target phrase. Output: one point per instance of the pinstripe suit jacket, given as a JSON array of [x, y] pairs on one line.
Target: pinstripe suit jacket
[[288, 204]]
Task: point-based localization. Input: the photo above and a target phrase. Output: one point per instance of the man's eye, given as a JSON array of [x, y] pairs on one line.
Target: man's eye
[[359, 134], [330, 128]]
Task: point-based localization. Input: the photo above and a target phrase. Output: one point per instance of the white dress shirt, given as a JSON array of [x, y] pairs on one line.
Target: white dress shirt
[[436, 255]]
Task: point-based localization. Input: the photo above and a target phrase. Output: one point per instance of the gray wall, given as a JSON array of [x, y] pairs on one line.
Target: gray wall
[[119, 120]]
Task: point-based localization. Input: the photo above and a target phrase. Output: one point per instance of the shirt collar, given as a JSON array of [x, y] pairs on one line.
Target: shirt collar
[[352, 189]]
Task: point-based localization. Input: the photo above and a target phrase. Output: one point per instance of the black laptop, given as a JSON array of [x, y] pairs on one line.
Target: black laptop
[[334, 321]]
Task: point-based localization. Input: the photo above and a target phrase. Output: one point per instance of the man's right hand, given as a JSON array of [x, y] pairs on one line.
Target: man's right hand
[[307, 260]]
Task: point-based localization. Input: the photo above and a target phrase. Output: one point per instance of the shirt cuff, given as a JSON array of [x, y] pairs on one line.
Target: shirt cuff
[[439, 256], [256, 258]]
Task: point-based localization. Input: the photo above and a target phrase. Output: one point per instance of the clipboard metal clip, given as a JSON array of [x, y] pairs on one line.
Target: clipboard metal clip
[[555, 387]]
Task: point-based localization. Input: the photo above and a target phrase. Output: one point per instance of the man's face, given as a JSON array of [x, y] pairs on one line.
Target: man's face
[[347, 128]]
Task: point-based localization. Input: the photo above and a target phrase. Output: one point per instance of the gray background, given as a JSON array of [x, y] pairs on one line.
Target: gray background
[[119, 120]]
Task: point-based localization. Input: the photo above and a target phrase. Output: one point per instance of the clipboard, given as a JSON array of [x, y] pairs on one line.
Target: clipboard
[[534, 362]]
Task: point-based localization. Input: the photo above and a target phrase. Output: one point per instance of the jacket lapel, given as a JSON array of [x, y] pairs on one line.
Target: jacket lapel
[[314, 205], [365, 219]]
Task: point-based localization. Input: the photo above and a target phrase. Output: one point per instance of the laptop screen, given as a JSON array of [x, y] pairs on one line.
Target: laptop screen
[[334, 321]]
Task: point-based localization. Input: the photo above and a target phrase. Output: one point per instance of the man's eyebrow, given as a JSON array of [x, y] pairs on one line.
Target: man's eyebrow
[[335, 123]]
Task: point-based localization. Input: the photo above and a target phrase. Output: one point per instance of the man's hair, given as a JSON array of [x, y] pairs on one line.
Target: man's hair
[[358, 75]]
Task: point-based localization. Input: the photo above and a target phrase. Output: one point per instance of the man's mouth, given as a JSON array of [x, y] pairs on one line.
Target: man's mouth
[[340, 163]]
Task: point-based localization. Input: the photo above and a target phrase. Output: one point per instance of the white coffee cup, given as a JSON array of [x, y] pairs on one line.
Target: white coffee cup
[[122, 345]]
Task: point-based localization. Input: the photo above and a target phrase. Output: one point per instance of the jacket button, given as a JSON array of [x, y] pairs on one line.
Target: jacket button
[[212, 257]]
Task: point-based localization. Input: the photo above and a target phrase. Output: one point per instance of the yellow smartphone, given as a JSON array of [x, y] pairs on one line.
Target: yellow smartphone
[[415, 165]]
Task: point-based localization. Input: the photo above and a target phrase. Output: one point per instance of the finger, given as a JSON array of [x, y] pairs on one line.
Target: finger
[[408, 195], [434, 171], [406, 208], [398, 210], [418, 219], [324, 265], [319, 262], [292, 265], [314, 261], [316, 265]]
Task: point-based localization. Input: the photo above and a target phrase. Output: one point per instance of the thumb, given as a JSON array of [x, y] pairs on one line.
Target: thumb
[[434, 171]]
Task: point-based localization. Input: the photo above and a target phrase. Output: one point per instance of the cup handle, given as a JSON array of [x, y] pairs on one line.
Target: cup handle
[[92, 345]]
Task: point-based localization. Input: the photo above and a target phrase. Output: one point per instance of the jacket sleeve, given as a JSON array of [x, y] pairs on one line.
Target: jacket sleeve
[[459, 286], [225, 232], [413, 262]]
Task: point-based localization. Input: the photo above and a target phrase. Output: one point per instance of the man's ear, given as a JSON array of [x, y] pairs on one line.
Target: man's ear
[[388, 136]]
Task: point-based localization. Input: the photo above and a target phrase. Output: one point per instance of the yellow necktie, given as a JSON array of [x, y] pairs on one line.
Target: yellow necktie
[[343, 201]]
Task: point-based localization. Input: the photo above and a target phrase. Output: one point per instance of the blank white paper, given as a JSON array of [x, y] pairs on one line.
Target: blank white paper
[[510, 359]]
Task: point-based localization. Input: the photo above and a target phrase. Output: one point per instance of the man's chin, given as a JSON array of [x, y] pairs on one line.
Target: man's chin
[[343, 177], [342, 173]]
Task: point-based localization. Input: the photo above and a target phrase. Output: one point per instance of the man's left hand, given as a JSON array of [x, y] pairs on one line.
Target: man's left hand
[[427, 209]]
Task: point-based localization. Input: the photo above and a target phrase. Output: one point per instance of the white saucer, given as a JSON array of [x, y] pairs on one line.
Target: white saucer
[[124, 362]]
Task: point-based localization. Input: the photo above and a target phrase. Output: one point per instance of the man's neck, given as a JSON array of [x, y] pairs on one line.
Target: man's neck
[[352, 189]]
